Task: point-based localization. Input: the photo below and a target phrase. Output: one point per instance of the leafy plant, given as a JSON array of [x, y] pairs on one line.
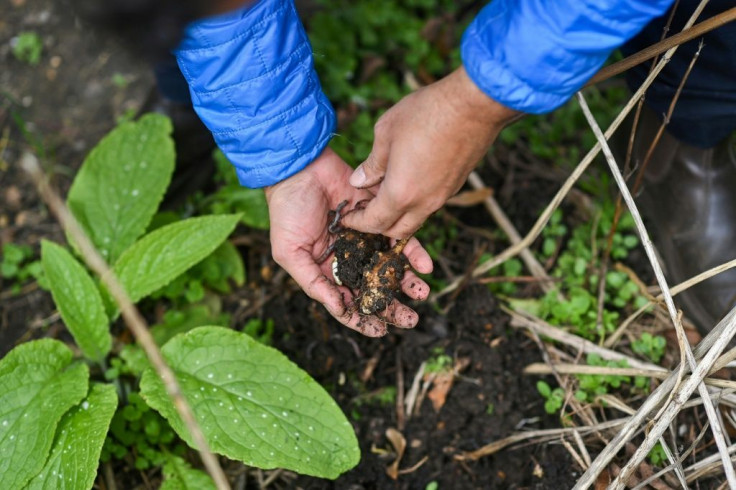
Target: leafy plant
[[553, 399], [438, 362], [53, 421], [657, 455], [27, 47], [592, 385], [650, 346], [231, 197], [18, 267]]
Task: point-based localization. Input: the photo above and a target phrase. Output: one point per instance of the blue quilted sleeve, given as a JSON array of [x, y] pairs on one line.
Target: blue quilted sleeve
[[253, 84], [533, 55]]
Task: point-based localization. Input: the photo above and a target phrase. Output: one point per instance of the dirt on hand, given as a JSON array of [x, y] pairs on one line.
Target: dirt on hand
[[365, 262]]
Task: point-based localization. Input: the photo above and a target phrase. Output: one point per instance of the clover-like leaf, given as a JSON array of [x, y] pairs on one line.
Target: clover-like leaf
[[38, 384], [159, 257], [254, 404], [178, 475], [75, 453], [78, 300], [121, 183]]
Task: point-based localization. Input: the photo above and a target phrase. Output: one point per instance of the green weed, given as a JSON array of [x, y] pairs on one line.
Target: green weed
[[27, 47]]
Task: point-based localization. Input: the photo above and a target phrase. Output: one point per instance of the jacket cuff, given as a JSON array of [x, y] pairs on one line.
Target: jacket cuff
[[252, 80], [533, 55]]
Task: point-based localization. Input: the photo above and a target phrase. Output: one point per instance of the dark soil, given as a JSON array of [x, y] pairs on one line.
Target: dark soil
[[474, 330]]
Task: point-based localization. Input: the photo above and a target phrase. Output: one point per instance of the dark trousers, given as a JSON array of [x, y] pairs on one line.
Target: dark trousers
[[705, 113]]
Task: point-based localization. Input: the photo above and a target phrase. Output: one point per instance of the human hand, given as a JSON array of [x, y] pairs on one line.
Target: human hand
[[425, 146], [299, 208]]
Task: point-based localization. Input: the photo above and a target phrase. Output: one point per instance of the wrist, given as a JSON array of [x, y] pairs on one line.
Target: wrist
[[472, 102]]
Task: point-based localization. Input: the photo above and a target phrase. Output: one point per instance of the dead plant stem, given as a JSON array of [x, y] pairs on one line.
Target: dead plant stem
[[129, 312]]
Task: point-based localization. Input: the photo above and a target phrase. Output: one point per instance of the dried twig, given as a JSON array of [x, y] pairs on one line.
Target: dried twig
[[567, 368], [542, 435], [644, 236], [129, 312], [531, 262], [656, 49], [565, 189]]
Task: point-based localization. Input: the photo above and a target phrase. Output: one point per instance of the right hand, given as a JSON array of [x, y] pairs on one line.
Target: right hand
[[425, 146]]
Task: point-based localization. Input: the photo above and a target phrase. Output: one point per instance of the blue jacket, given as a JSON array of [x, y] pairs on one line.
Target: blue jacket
[[252, 78]]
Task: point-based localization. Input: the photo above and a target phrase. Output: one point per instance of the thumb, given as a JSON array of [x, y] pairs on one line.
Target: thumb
[[372, 170]]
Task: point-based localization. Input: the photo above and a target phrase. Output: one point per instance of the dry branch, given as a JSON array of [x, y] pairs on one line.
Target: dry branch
[[656, 49], [532, 264], [129, 312], [716, 426]]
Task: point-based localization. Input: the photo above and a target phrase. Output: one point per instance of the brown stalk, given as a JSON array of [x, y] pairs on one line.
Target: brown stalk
[[129, 312], [656, 49]]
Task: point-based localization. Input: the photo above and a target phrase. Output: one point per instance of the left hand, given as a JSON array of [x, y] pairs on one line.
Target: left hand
[[299, 208]]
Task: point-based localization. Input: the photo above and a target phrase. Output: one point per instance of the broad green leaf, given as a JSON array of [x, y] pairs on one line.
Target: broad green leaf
[[78, 300], [38, 384], [159, 257], [254, 405], [178, 475], [75, 454], [121, 183]]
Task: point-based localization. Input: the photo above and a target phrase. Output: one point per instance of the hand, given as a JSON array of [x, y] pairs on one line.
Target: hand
[[424, 148], [299, 208]]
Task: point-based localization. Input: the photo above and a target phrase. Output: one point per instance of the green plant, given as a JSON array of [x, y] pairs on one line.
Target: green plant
[[657, 455], [231, 197], [592, 385], [18, 267], [438, 362], [553, 399], [433, 485], [136, 428], [650, 346], [54, 419], [27, 47]]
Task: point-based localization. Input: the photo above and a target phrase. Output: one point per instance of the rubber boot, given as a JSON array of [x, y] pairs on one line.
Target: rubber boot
[[689, 202]]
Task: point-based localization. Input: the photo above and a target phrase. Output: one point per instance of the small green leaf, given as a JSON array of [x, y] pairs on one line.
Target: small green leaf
[[121, 183], [78, 300], [253, 404], [38, 384], [79, 437], [159, 257], [178, 475], [544, 389]]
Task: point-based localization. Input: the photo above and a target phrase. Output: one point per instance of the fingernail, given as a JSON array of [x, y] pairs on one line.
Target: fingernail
[[358, 178]]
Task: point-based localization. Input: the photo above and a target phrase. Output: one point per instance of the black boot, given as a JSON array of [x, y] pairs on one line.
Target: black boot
[[689, 200], [194, 145]]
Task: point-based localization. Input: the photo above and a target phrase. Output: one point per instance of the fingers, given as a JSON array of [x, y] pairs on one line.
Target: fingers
[[374, 217], [414, 287], [373, 169], [418, 257]]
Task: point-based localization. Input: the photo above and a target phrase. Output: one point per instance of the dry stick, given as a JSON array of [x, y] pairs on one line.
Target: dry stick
[[686, 354], [646, 242], [669, 45], [655, 49], [675, 290], [130, 313], [557, 334], [544, 434], [678, 463], [565, 189], [568, 368], [532, 264], [665, 122]]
